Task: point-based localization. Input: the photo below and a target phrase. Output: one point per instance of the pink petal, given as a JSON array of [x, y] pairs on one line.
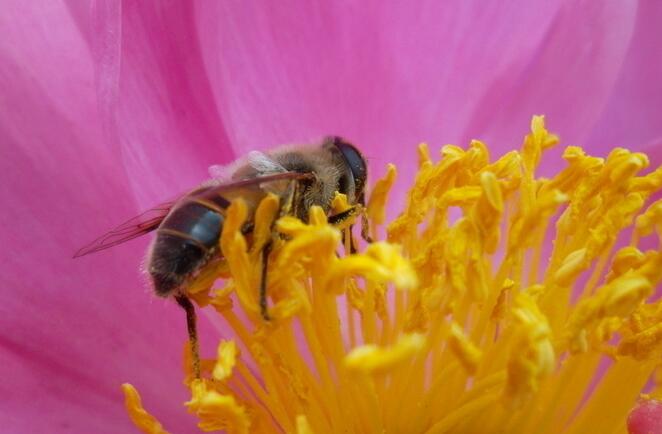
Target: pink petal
[[633, 115], [654, 151], [569, 80], [306, 68], [156, 96], [72, 330], [646, 418], [389, 77], [386, 77]]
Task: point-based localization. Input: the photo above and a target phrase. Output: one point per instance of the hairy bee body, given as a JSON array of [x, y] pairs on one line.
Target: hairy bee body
[[188, 237]]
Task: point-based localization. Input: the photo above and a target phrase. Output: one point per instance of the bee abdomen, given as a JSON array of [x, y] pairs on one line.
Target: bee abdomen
[[173, 259], [183, 244], [195, 221]]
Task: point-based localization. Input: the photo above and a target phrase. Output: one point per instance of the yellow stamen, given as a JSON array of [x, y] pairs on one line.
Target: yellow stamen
[[303, 427], [532, 355], [467, 353], [371, 359], [217, 411], [377, 203], [139, 416]]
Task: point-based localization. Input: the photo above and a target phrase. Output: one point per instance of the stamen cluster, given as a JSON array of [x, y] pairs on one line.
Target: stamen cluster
[[500, 301]]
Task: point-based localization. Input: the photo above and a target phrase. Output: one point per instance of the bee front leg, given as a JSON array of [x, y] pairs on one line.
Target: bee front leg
[[338, 219], [266, 250], [186, 304], [365, 227]]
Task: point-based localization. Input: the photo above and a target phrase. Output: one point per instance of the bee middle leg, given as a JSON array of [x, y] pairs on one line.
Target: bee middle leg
[[264, 308]]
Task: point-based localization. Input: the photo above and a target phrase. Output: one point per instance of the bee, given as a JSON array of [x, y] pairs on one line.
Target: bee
[[188, 229]]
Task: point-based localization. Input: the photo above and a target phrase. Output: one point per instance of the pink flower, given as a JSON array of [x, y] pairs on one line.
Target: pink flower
[[111, 107]]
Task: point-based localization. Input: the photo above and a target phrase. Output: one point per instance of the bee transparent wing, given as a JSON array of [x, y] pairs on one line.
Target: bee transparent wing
[[258, 162], [220, 173], [263, 164], [260, 181], [130, 229], [151, 219]]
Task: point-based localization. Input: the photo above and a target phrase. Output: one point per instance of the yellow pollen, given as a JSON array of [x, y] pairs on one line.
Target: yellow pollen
[[496, 301], [303, 427], [371, 359], [217, 411], [225, 360], [139, 416]]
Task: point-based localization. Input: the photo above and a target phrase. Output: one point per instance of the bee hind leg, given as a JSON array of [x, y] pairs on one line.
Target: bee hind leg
[[264, 308], [186, 304]]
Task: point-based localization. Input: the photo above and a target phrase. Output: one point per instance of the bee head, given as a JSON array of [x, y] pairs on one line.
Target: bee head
[[356, 171]]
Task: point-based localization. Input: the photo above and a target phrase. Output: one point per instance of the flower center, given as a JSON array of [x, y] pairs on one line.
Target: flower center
[[499, 301]]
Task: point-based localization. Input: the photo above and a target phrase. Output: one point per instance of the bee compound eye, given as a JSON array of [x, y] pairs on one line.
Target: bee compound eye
[[354, 160]]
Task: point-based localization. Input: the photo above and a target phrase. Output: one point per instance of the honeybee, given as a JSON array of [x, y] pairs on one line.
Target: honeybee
[[188, 229]]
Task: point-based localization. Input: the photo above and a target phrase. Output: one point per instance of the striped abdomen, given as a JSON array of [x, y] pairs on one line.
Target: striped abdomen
[[185, 241]]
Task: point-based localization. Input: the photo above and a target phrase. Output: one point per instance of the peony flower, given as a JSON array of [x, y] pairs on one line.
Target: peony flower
[[111, 107]]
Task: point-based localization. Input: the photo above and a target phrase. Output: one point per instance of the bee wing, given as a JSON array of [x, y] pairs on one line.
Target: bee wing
[[260, 163], [219, 173], [263, 182], [130, 229], [263, 164], [152, 218]]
